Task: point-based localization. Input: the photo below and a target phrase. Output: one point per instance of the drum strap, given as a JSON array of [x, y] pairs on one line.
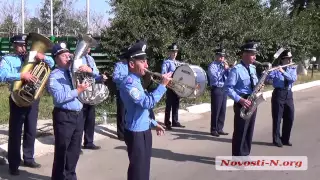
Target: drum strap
[[251, 79]]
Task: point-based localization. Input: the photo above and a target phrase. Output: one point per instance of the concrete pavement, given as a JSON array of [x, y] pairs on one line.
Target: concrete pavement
[[189, 154]]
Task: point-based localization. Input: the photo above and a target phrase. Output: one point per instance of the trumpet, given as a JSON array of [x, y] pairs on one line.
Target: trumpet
[[174, 85]]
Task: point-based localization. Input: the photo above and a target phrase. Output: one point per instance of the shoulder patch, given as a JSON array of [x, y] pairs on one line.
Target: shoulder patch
[[135, 93]]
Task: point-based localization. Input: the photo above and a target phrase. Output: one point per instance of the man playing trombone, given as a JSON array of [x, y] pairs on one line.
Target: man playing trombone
[[218, 73], [172, 99], [282, 99], [137, 102]]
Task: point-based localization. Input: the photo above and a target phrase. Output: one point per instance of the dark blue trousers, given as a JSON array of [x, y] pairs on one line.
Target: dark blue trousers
[[68, 130], [243, 132], [282, 108], [218, 108], [120, 116], [89, 115], [19, 116], [139, 147], [172, 103]]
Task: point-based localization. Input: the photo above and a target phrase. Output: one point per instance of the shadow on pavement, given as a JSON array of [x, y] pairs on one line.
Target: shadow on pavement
[[169, 155], [106, 132], [24, 175]]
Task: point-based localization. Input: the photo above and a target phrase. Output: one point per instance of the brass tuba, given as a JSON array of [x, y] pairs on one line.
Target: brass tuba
[[25, 93], [95, 93]]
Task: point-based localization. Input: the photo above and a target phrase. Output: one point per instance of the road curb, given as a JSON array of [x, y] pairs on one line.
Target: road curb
[[206, 107], [44, 145]]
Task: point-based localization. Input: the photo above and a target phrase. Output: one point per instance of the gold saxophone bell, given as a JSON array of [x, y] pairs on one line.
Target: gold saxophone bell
[[25, 93]]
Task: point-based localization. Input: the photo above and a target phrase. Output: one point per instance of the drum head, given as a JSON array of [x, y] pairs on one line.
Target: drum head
[[184, 75], [201, 81]]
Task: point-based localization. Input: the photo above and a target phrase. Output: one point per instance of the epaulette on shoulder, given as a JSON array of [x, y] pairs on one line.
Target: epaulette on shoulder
[[55, 71], [9, 55], [253, 66], [129, 80], [237, 66]]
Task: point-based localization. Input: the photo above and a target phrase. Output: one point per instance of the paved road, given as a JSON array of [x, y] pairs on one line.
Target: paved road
[[189, 154]]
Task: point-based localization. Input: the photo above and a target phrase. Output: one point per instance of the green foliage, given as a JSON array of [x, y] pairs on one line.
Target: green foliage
[[199, 26]]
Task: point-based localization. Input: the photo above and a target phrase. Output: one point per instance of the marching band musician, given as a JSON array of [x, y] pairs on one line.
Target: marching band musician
[[239, 85], [10, 66], [68, 121], [218, 72], [138, 136], [119, 73], [282, 100], [172, 99], [89, 111]]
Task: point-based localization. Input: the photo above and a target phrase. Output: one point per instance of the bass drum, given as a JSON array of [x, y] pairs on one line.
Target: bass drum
[[193, 77]]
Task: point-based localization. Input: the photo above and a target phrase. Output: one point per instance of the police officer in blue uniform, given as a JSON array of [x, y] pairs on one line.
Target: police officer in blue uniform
[[172, 99], [119, 73], [89, 112], [282, 100], [138, 136], [218, 72], [68, 121], [9, 72], [239, 85]]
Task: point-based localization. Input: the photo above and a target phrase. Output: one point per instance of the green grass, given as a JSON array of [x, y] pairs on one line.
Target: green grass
[[46, 105]]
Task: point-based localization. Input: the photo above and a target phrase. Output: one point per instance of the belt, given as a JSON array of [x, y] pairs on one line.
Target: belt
[[67, 110], [216, 86], [283, 89], [245, 96]]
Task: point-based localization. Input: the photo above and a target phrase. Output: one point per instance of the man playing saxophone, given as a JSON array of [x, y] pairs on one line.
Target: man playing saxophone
[[218, 72], [282, 100], [239, 85], [10, 67]]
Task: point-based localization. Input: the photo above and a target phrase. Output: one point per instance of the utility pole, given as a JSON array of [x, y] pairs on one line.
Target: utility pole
[[22, 16], [51, 15], [88, 16]]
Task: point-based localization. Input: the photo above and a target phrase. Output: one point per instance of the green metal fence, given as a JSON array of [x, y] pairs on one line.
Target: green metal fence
[[101, 57]]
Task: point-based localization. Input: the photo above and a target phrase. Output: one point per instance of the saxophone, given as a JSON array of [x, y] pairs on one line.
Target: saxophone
[[257, 96]]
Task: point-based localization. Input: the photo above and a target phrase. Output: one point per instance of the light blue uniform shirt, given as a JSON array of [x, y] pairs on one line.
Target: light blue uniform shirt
[[278, 77], [120, 72], [61, 88], [168, 65], [217, 74], [137, 103], [89, 61], [238, 81], [10, 67]]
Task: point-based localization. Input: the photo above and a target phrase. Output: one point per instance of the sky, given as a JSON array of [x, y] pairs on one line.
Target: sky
[[99, 6]]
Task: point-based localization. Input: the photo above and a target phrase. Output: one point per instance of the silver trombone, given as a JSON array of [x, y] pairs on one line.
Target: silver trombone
[[176, 86]]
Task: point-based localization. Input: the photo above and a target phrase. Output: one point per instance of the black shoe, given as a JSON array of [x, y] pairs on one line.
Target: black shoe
[[222, 133], [3, 161], [92, 147], [31, 164], [287, 143], [178, 125], [168, 127], [278, 144], [14, 172], [215, 133]]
